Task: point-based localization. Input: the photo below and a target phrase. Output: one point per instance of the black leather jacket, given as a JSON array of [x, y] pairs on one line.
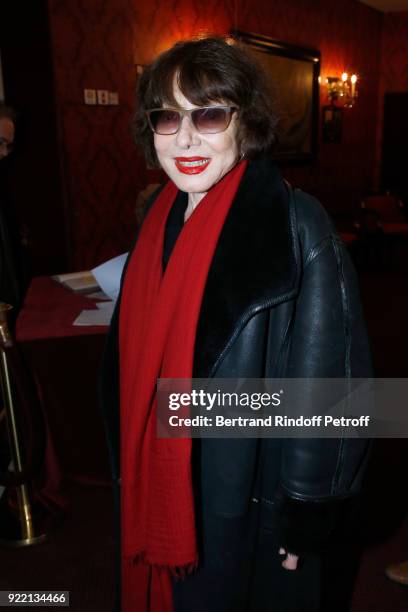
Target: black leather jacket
[[281, 300]]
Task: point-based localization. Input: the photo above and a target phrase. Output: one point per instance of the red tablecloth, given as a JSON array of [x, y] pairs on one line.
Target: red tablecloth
[[49, 311], [64, 362]]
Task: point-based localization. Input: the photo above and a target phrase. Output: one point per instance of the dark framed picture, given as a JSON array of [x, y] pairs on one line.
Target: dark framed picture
[[294, 81], [332, 124]]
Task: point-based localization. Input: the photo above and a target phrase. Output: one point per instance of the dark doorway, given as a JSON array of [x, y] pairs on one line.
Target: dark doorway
[[394, 147], [33, 171]]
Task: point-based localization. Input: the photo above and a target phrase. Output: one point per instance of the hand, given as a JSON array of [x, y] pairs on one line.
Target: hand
[[290, 562]]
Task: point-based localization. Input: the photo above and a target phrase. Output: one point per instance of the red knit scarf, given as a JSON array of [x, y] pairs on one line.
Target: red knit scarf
[[157, 328]]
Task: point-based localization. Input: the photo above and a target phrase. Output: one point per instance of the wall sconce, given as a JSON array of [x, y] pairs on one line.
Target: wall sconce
[[342, 88]]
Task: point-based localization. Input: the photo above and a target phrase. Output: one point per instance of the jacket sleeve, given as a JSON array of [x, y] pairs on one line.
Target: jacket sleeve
[[328, 341]]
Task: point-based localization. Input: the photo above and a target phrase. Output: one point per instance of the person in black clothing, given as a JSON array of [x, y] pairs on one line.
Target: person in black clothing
[[9, 291], [9, 234], [234, 274]]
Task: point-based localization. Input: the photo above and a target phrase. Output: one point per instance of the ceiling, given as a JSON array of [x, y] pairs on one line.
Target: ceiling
[[387, 6]]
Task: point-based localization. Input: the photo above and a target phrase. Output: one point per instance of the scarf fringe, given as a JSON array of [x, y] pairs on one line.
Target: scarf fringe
[[179, 572]]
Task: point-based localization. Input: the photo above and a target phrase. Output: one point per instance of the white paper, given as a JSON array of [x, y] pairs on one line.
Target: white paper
[[102, 305], [101, 316], [79, 282], [98, 295], [108, 275], [63, 278]]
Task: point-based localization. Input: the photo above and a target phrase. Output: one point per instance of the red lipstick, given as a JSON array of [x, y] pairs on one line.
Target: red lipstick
[[191, 165]]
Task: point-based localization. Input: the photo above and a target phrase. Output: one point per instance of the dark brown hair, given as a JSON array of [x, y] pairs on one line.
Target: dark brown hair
[[208, 70]]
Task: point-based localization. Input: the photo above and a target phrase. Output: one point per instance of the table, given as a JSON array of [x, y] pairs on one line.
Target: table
[[64, 361]]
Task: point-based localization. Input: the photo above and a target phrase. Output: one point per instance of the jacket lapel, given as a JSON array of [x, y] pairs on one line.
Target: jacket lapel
[[255, 265]]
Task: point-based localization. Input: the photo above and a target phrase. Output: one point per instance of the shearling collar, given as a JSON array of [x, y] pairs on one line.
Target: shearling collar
[[255, 265]]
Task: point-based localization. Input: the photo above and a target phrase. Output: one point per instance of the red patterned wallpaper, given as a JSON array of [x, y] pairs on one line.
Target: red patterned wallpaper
[[394, 53], [97, 44], [347, 35], [92, 48]]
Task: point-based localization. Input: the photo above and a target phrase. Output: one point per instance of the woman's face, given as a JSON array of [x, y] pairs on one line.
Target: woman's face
[[177, 152]]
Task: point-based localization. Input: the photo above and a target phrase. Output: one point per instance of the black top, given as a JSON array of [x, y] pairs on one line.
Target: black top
[[174, 225], [9, 286]]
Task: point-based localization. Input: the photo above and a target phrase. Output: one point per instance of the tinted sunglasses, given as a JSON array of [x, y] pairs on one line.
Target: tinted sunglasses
[[206, 120]]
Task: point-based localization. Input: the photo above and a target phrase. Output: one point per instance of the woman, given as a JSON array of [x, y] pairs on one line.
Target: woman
[[234, 274]]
